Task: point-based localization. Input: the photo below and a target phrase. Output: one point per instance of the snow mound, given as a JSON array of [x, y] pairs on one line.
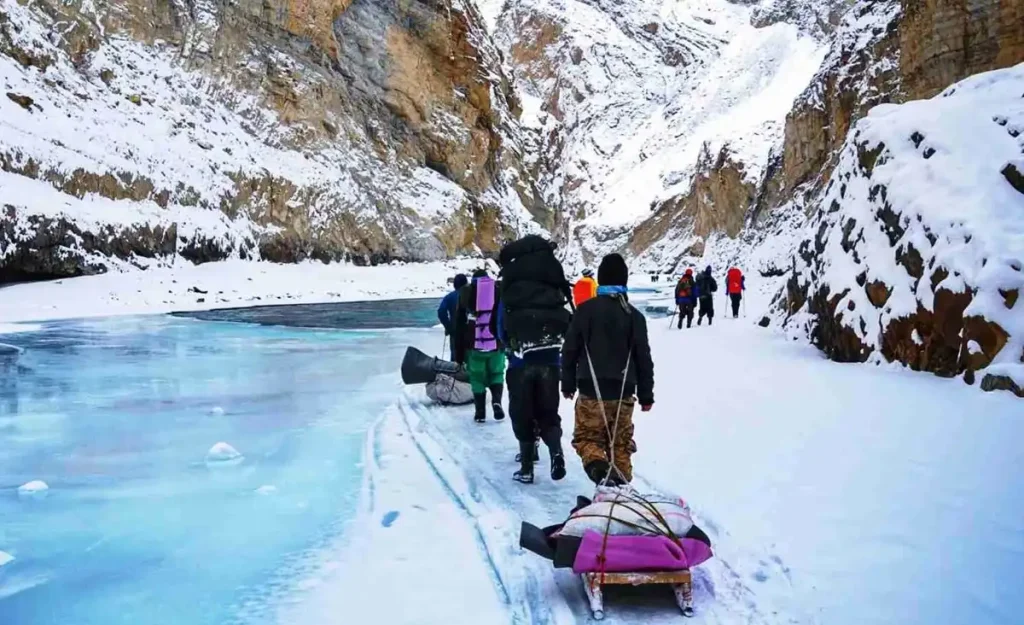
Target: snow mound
[[36, 489], [216, 411], [5, 558], [917, 252], [266, 489], [223, 455]]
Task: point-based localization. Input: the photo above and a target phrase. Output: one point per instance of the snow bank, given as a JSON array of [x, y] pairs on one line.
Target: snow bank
[[921, 230], [5, 558], [233, 283]]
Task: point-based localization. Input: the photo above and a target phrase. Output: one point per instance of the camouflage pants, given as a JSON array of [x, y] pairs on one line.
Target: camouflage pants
[[590, 438]]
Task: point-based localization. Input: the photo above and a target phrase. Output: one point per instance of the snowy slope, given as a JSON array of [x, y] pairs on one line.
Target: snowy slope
[[916, 252], [624, 96], [214, 150]]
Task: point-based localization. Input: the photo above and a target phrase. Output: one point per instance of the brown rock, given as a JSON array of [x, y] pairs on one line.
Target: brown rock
[[1009, 297], [23, 101], [1001, 383], [878, 293], [989, 335], [943, 41]]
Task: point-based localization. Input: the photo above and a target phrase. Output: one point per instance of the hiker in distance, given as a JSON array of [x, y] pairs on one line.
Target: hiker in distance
[[446, 310], [735, 284], [532, 321], [686, 298], [706, 288], [477, 346], [607, 358]]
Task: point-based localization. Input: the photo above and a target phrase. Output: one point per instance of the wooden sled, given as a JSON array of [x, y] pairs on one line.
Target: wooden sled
[[682, 586]]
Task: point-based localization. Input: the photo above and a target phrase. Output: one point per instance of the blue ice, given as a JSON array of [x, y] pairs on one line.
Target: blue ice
[[117, 416]]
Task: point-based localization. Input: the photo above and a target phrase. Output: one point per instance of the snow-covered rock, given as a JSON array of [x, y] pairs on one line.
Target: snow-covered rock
[[216, 411], [36, 489], [223, 455], [916, 253]]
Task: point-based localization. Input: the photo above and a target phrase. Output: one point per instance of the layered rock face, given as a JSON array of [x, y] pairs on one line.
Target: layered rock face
[[201, 129]]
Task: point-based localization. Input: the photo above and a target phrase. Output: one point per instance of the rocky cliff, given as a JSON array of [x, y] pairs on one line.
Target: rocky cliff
[[139, 132]]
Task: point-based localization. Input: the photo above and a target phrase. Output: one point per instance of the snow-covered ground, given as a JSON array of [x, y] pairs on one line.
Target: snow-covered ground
[[233, 283], [833, 494]]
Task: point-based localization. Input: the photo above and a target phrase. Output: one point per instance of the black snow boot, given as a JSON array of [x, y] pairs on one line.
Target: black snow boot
[[496, 391], [599, 469], [525, 473], [557, 466], [536, 453], [480, 403]]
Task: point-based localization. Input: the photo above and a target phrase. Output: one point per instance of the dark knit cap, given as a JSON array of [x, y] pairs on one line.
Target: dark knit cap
[[613, 271], [460, 281], [480, 273]]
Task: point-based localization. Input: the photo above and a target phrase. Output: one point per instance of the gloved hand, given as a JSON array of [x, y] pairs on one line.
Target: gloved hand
[[568, 395], [646, 408]]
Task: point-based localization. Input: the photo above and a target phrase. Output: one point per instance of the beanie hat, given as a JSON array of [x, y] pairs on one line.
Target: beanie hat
[[612, 271], [460, 281], [689, 272], [480, 273], [588, 273]]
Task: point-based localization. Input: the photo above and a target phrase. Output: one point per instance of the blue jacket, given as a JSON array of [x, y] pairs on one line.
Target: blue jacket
[[694, 294], [446, 310]]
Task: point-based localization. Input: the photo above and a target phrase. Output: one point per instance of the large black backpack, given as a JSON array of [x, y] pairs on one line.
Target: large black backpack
[[534, 293]]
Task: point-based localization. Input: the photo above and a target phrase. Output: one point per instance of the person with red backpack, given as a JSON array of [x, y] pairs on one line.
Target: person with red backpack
[[686, 298], [735, 284]]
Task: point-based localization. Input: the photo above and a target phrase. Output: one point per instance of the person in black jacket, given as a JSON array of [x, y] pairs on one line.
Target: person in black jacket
[[706, 287], [607, 357]]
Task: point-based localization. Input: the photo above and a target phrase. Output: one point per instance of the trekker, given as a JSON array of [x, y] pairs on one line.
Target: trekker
[[478, 348], [607, 357], [532, 321], [584, 289], [735, 284], [686, 298], [446, 309], [706, 287]]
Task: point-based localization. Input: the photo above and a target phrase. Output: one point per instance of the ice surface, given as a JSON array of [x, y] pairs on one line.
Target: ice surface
[[36, 489], [113, 414]]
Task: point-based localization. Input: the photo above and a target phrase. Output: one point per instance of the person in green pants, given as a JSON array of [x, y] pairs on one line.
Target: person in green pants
[[478, 347]]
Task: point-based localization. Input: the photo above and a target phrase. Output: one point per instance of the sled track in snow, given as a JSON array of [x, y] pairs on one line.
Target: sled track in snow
[[474, 464]]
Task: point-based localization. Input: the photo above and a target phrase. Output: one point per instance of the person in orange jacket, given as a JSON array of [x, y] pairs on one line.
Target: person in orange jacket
[[585, 288]]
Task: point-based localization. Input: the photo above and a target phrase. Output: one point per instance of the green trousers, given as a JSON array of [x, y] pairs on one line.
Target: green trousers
[[485, 369]]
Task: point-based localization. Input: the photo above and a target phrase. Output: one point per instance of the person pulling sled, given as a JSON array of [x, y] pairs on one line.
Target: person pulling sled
[[532, 321], [607, 357]]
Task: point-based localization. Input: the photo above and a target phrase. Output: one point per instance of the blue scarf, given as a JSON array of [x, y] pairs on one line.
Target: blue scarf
[[611, 290]]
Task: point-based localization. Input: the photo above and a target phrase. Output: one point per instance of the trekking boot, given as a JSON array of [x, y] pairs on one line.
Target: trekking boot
[[480, 403], [536, 453], [557, 466], [525, 473], [496, 391], [598, 470]]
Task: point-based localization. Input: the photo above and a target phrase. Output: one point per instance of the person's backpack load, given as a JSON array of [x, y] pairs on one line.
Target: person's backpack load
[[684, 289], [419, 368], [445, 389], [734, 281], [534, 293]]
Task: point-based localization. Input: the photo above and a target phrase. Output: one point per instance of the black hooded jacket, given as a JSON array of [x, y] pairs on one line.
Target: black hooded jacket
[[612, 333]]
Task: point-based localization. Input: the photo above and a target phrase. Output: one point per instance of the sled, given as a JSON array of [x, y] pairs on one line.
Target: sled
[[681, 582]]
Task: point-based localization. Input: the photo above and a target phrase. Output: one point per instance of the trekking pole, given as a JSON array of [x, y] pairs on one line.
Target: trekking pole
[[672, 316], [744, 300], [444, 342]]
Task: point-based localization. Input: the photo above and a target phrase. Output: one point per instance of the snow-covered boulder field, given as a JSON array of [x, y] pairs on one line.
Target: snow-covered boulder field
[[916, 252]]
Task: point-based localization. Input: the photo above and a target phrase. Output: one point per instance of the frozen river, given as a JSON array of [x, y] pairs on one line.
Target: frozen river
[[117, 416]]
